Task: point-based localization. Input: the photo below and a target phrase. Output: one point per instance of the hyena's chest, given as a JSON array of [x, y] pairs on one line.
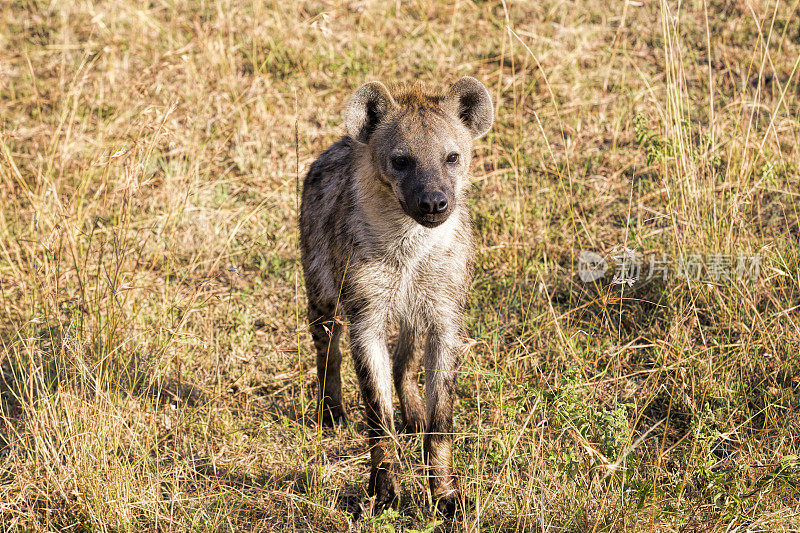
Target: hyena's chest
[[401, 288]]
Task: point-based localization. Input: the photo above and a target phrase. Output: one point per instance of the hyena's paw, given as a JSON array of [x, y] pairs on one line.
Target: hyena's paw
[[412, 424], [384, 486], [332, 415], [448, 504]]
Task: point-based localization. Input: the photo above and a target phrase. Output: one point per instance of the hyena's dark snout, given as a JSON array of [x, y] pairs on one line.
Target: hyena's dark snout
[[432, 203], [430, 207]]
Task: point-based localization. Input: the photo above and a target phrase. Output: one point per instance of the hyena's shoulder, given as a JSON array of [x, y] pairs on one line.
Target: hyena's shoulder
[[332, 165]]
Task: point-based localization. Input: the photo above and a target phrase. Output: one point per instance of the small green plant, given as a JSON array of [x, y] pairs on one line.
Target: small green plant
[[605, 426], [655, 146], [429, 528], [385, 521]]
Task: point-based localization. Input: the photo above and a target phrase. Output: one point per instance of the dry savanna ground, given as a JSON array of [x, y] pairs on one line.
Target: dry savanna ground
[[157, 371]]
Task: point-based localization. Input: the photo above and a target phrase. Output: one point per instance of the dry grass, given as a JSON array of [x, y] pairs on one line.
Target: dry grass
[[156, 369]]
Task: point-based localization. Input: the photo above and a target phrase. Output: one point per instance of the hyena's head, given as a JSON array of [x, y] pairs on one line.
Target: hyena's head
[[421, 143]]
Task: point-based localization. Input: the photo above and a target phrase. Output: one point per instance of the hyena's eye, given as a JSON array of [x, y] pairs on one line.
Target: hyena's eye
[[400, 162], [452, 158]]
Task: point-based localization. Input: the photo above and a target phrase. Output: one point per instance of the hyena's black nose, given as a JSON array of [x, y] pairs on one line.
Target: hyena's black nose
[[432, 203]]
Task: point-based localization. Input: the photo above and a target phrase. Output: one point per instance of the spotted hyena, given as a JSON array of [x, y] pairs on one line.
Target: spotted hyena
[[386, 239]]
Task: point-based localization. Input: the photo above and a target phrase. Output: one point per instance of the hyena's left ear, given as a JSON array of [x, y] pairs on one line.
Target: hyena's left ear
[[366, 108], [469, 100]]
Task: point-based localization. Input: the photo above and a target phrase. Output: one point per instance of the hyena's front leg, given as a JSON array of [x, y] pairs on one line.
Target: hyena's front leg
[[325, 331], [373, 368], [441, 361], [405, 380]]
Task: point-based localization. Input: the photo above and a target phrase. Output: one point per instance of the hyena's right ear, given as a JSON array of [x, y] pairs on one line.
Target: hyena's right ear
[[366, 108]]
